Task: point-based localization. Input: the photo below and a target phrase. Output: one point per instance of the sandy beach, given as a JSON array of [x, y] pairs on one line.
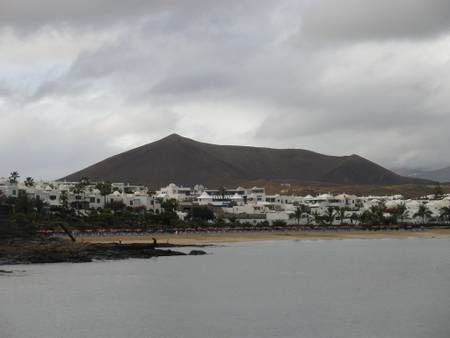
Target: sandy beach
[[231, 237]]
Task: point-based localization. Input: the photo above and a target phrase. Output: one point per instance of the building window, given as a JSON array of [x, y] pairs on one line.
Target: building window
[[52, 197], [92, 199], [131, 202]]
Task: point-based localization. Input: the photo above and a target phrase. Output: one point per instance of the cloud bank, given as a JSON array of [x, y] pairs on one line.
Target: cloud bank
[[83, 80]]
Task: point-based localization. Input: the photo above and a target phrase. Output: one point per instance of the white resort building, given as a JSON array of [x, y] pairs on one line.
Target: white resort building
[[249, 205]]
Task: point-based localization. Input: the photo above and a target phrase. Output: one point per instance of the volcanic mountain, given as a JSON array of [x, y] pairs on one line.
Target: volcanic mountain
[[187, 162], [440, 175]]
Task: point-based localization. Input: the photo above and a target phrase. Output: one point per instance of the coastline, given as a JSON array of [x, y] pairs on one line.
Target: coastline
[[39, 250], [233, 237], [114, 247]]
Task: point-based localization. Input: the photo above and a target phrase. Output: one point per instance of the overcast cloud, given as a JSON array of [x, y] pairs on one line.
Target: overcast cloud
[[80, 81]]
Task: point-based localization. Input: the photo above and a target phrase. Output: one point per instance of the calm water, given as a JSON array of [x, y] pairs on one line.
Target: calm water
[[350, 288]]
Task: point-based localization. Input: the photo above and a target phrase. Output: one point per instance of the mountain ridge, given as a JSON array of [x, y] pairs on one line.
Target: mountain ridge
[[441, 175], [182, 160]]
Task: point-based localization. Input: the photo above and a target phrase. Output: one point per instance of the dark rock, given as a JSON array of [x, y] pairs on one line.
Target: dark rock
[[197, 252], [81, 253]]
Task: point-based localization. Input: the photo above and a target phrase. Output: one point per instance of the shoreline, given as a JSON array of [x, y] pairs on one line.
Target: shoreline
[[212, 238], [39, 251], [124, 246]]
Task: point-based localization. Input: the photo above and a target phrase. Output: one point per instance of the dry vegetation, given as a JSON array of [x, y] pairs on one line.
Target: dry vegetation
[[407, 190]]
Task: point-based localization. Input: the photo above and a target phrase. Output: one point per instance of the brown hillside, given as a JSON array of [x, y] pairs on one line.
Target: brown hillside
[[187, 162]]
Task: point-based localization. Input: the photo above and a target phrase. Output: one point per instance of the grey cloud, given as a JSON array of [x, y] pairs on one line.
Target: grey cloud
[[28, 16], [94, 68], [366, 19], [234, 62], [147, 62], [22, 13], [189, 83]]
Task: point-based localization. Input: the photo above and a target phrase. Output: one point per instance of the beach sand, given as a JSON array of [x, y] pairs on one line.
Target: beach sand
[[230, 237]]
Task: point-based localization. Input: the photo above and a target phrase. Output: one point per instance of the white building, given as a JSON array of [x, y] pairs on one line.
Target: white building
[[172, 191]]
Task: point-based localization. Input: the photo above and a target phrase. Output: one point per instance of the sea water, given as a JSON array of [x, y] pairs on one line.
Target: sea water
[[309, 288]]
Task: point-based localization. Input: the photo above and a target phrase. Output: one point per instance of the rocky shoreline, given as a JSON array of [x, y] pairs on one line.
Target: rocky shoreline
[[60, 251]]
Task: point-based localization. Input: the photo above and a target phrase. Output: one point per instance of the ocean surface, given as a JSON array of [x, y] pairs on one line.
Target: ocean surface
[[389, 288]]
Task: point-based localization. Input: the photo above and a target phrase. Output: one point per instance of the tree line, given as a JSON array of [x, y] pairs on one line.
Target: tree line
[[377, 214]]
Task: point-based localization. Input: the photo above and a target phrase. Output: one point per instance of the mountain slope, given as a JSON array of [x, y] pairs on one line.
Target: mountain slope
[[184, 161], [440, 175]]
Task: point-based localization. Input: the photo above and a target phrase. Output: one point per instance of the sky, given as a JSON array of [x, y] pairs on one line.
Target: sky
[[83, 80]]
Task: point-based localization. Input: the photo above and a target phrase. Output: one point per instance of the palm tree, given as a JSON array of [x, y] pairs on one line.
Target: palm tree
[[298, 215], [317, 217], [232, 204], [377, 212], [13, 177], [64, 199], [82, 184], [308, 216], [300, 211], [341, 212], [105, 189], [424, 212], [400, 212], [445, 213], [169, 215], [84, 181], [305, 210], [77, 188], [222, 192], [29, 182], [354, 217], [330, 214], [369, 218]]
